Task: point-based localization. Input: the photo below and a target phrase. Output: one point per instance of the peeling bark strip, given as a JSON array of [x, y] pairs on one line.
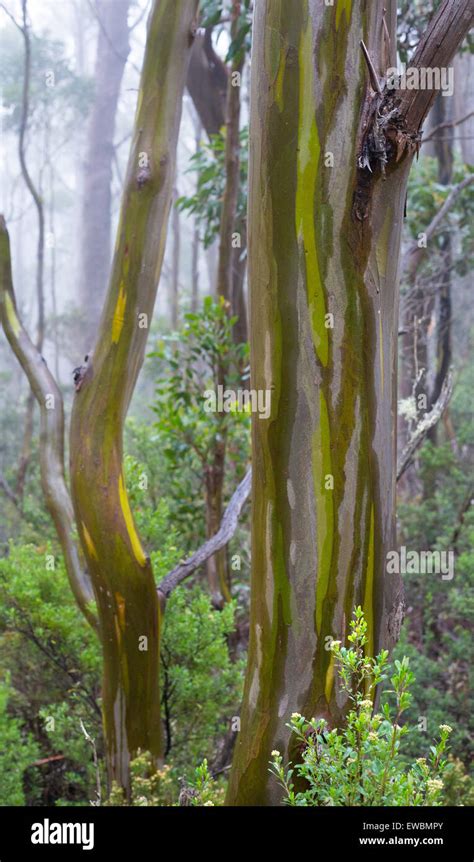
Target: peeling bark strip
[[120, 569], [49, 398], [324, 463]]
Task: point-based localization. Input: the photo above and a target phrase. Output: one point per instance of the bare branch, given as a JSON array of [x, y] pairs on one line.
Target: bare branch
[[226, 530], [448, 125], [466, 505], [442, 38], [372, 73], [414, 254], [8, 491], [428, 421]]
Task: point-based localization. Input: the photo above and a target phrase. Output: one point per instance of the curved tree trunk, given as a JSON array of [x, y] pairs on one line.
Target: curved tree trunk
[[324, 240], [48, 395], [120, 569]]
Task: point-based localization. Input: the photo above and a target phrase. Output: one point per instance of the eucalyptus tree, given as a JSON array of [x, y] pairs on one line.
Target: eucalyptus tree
[[333, 135], [109, 571]]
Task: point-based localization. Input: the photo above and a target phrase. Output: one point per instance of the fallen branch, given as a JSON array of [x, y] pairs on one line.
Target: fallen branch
[[428, 421], [225, 532]]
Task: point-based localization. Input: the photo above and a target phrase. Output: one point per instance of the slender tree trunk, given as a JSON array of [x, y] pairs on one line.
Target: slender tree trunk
[[112, 53], [195, 269], [175, 265], [232, 171], [217, 568], [119, 567], [207, 83], [239, 304], [324, 248], [195, 249], [443, 112], [25, 454]]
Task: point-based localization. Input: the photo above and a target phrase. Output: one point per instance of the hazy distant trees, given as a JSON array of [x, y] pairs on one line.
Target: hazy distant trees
[[96, 220]]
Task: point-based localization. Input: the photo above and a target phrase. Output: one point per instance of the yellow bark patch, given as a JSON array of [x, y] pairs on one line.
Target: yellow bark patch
[[119, 314], [324, 506], [329, 679], [309, 151], [11, 315], [128, 518], [279, 80], [343, 6], [89, 542]]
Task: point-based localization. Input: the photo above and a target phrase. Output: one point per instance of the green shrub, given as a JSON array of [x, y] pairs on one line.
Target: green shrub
[[361, 763], [17, 752], [161, 787], [201, 686]]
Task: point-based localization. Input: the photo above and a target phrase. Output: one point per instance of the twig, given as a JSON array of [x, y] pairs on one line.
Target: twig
[[410, 258], [373, 74], [447, 125], [9, 492], [91, 742]]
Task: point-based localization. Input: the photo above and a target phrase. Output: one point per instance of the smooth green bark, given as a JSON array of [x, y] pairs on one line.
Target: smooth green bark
[[324, 462], [119, 566]]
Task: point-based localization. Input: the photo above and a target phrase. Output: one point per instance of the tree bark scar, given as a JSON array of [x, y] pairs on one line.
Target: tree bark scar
[[79, 374], [143, 176], [386, 138]]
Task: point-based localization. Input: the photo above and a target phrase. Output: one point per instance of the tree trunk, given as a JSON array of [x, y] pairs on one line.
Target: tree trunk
[[217, 569], [323, 241], [207, 83], [195, 248], [119, 567], [195, 269], [174, 298], [239, 304], [443, 112], [35, 193], [112, 52]]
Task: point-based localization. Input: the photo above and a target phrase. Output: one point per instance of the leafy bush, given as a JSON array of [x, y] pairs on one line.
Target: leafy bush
[[53, 659], [361, 763], [206, 202], [201, 686], [17, 753], [188, 436], [160, 787]]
